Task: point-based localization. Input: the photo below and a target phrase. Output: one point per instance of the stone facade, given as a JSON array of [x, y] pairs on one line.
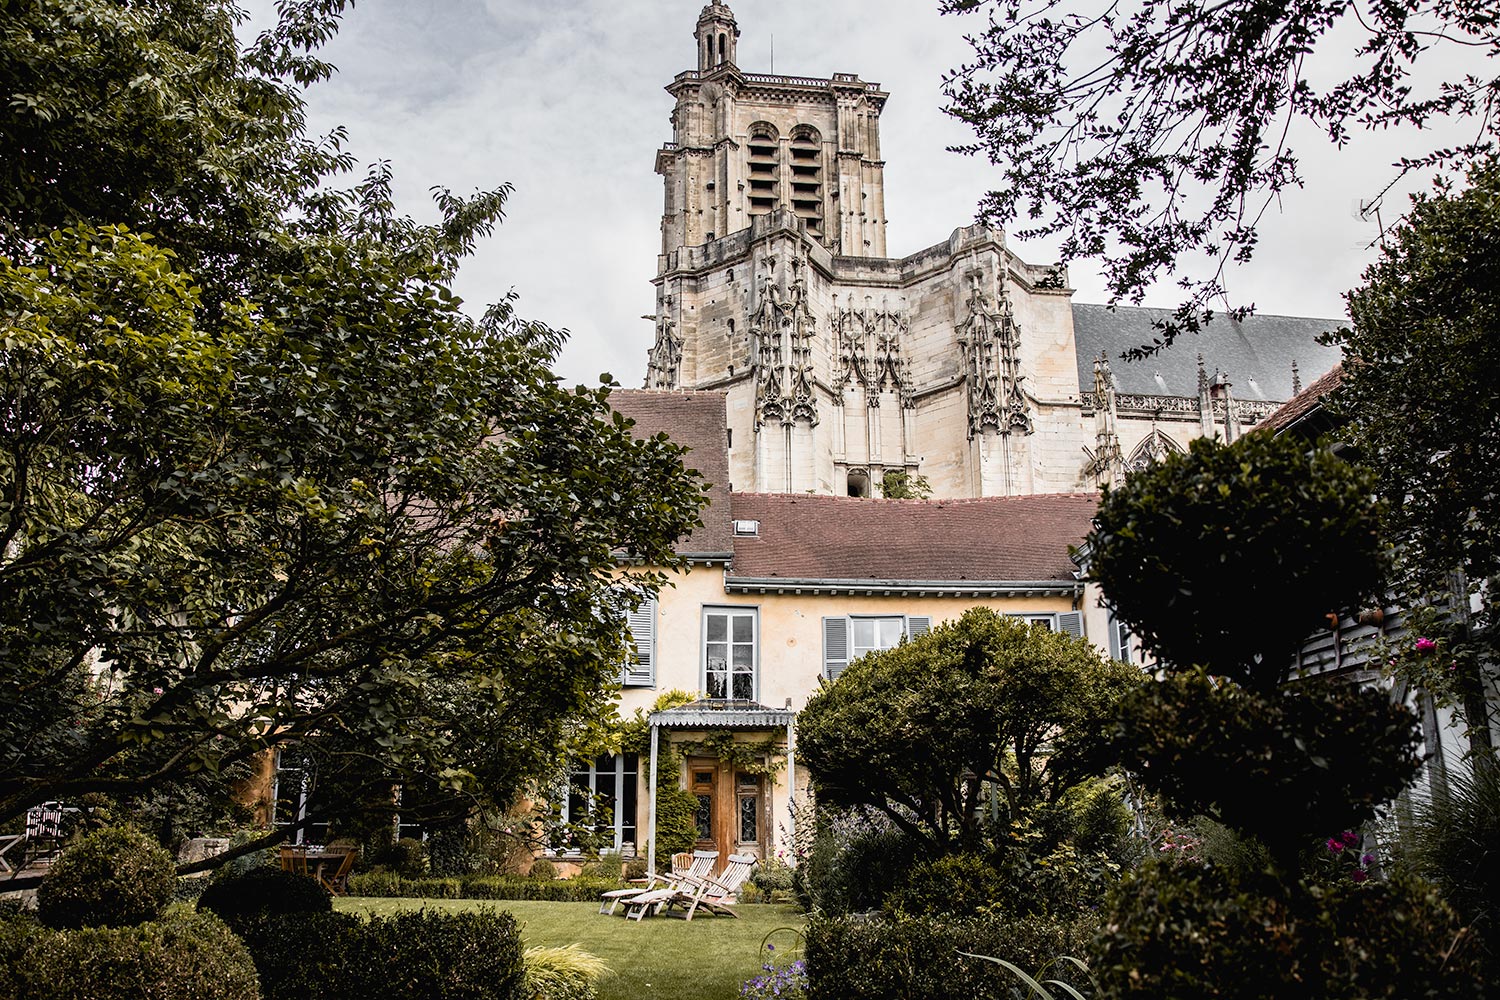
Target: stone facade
[[958, 363]]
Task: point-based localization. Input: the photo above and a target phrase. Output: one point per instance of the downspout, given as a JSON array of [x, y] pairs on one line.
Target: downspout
[[651, 814]]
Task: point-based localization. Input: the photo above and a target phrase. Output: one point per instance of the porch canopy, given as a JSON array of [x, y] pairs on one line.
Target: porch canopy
[[717, 713]]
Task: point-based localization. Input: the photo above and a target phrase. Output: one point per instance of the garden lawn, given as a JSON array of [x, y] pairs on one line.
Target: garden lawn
[[660, 957]]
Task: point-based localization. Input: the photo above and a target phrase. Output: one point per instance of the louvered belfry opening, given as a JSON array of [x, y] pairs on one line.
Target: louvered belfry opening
[[806, 156], [764, 168]]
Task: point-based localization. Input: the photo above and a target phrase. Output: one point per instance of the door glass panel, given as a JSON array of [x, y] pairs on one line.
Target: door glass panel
[[749, 811], [703, 818]]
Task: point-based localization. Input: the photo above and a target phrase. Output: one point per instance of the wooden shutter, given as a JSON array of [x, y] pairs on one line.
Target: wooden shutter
[[1071, 623], [640, 671], [835, 646], [918, 625]]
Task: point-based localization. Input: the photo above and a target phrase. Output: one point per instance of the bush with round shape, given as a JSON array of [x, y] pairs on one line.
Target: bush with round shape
[[1177, 931], [542, 870], [111, 878], [961, 883], [182, 955], [406, 857], [259, 893]]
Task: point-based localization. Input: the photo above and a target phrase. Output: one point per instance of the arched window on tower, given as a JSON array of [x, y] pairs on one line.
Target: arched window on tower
[[806, 153], [763, 167], [723, 47]]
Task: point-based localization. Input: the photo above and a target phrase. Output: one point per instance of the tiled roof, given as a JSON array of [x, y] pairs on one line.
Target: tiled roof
[[1305, 401], [991, 539], [1256, 352], [697, 421]]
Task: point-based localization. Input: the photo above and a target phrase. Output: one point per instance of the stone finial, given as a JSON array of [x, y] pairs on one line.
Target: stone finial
[[1296, 379], [1202, 375]]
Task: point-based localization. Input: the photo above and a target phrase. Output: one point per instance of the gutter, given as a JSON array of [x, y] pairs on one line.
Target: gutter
[[905, 588]]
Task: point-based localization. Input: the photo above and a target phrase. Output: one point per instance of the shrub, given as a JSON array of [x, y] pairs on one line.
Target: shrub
[[606, 866], [567, 973], [481, 887], [542, 870], [636, 868], [183, 955], [406, 857], [1177, 931], [258, 893], [111, 878], [916, 958], [18, 933], [474, 955], [957, 884], [854, 865], [772, 875]]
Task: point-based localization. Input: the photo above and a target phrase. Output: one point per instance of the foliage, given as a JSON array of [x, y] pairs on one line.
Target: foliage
[[181, 955], [920, 731], [258, 893], [1151, 132], [406, 857], [260, 494], [766, 756], [474, 955], [898, 484], [912, 958], [778, 982], [111, 878], [542, 870], [565, 973], [772, 874], [571, 890], [1452, 839], [1176, 931], [1318, 758], [956, 884], [1230, 555], [856, 860]]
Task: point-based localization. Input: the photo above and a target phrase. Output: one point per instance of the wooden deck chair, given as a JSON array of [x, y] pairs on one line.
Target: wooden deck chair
[[716, 894], [334, 872], [294, 859], [697, 864]]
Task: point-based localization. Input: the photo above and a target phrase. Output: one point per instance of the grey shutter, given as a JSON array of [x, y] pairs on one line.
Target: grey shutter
[[640, 671], [1071, 622], [918, 625], [835, 646], [1115, 652]]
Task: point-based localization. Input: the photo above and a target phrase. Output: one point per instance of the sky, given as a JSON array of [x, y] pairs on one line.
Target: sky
[[565, 101]]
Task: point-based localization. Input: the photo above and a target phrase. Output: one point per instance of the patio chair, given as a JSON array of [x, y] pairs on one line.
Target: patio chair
[[718, 893], [334, 870], [699, 864], [294, 859]]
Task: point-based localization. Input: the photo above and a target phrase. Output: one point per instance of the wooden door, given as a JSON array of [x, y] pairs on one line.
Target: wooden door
[[732, 809]]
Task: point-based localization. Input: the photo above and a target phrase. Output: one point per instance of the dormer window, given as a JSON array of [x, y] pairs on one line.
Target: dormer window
[[747, 529]]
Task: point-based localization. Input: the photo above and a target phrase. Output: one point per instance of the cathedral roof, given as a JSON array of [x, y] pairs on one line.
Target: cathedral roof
[[1305, 402], [807, 537], [1256, 353], [695, 420]]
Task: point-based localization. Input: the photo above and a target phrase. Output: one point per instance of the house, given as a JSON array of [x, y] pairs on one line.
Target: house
[[782, 591]]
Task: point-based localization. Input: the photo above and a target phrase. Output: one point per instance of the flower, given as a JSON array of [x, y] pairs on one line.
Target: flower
[[1334, 845], [1425, 645], [1359, 875], [1365, 860], [1350, 838]]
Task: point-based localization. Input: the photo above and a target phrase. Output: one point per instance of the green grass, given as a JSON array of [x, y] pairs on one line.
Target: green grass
[[659, 957]]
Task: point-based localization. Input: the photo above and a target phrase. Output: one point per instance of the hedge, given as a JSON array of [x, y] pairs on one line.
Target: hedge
[[481, 887], [474, 955], [111, 878], [907, 958]]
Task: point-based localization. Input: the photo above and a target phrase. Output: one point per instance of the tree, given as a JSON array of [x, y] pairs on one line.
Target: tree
[[263, 484], [919, 731], [1149, 132], [1420, 390]]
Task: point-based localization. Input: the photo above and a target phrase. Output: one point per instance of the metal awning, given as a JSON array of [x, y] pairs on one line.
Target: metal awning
[[723, 713]]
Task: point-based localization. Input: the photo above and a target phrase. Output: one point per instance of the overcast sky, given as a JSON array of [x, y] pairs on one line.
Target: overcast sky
[[564, 100]]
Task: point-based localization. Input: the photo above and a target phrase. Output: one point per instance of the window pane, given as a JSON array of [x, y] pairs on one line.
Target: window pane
[[703, 817], [744, 657], [716, 684], [890, 632], [744, 628], [864, 632], [743, 686], [718, 628], [749, 808]]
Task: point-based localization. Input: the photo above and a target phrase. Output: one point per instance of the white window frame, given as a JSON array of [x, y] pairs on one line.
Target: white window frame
[[639, 669], [617, 820], [731, 611], [1066, 622], [840, 628]]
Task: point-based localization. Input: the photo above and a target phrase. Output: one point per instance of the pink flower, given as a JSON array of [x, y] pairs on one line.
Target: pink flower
[[1425, 645], [1334, 845], [1350, 838], [1359, 875]]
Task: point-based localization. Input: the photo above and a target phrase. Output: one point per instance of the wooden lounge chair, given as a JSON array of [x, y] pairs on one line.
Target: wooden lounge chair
[[699, 864], [718, 893]]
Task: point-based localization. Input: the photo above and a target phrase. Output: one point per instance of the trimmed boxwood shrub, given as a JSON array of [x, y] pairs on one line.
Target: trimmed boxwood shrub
[[258, 893], [111, 878], [511, 887], [475, 955], [18, 932], [916, 958], [1176, 931], [183, 955]]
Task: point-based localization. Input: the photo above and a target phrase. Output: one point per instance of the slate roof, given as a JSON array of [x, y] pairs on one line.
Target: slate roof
[[992, 539], [1256, 352], [697, 421], [1306, 401]]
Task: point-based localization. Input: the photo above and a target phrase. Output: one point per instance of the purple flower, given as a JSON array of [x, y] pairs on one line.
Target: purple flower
[[1350, 838], [1366, 860], [1359, 875], [1334, 845], [770, 947], [1425, 645]]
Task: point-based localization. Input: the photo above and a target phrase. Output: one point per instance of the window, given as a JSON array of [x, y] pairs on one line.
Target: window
[[640, 671], [848, 637], [729, 652], [291, 796], [1122, 645], [1070, 622], [602, 795]]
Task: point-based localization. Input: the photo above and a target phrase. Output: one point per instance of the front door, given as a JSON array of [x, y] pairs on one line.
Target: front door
[[731, 811]]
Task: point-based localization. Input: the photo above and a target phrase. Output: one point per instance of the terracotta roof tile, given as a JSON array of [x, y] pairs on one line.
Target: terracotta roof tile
[[992, 539], [1305, 401], [697, 421]]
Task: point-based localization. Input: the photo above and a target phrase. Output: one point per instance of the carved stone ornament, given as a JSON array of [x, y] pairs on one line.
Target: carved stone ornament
[[781, 327], [989, 339], [664, 360], [869, 348], [1153, 449]]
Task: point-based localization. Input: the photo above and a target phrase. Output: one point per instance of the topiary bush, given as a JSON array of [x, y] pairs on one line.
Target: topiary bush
[[183, 955], [542, 870], [406, 857], [1182, 931], [111, 878], [307, 956], [258, 893], [916, 958], [481, 887]]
